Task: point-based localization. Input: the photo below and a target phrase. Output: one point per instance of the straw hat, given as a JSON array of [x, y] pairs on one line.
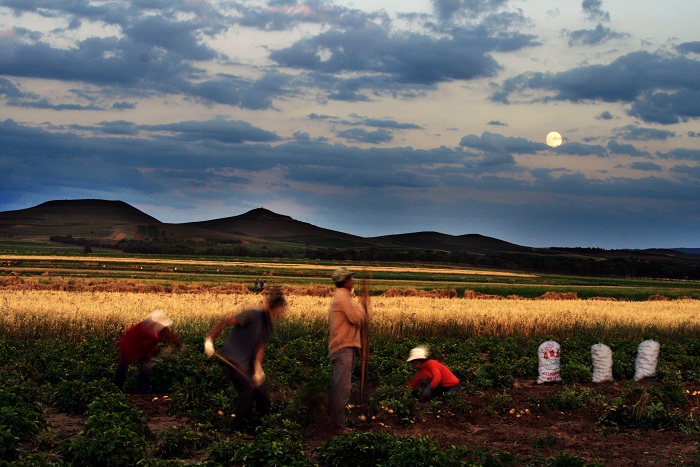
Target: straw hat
[[418, 353], [159, 316]]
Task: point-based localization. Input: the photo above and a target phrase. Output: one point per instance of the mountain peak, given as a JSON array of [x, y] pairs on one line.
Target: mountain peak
[[262, 214]]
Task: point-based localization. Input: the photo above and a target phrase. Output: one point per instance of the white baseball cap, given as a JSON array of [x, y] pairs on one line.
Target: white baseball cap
[[159, 316], [418, 353]]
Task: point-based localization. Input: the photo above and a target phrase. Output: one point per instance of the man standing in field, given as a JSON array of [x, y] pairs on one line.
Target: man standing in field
[[243, 353], [141, 342], [345, 319]]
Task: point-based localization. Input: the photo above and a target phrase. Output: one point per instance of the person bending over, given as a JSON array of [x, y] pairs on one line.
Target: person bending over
[[432, 377]]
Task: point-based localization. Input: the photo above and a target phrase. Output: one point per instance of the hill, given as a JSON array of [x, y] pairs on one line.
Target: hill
[[101, 221], [263, 233], [111, 221], [264, 224], [473, 243]]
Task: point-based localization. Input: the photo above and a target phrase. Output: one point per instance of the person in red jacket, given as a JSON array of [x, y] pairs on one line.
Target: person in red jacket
[[434, 378], [141, 342]]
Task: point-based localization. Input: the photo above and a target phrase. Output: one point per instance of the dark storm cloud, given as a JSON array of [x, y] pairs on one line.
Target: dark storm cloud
[[682, 154], [593, 10], [636, 133], [390, 124], [689, 47], [646, 166], [361, 135], [156, 51], [8, 89], [499, 143], [123, 106], [225, 131], [156, 54], [687, 172], [580, 149], [175, 36], [654, 107], [46, 105], [408, 58], [626, 149], [280, 16], [660, 88], [195, 161], [448, 9], [359, 120], [119, 127], [595, 36]]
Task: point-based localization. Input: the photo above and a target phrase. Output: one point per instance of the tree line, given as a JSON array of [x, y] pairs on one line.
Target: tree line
[[554, 263]]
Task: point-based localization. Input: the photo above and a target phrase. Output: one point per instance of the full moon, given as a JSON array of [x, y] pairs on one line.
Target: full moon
[[553, 139]]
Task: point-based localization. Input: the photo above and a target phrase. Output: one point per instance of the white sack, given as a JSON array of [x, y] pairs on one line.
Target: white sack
[[647, 356], [602, 363], [548, 353]]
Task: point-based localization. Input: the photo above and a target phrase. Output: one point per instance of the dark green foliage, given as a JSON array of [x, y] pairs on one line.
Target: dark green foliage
[[372, 449], [498, 403], [113, 435], [74, 396], [400, 399], [564, 459], [76, 378], [569, 399], [277, 443], [452, 403], [310, 402], [183, 441], [21, 416], [642, 407]]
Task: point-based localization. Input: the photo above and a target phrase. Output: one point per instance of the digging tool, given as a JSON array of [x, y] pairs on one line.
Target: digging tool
[[234, 367], [364, 340]]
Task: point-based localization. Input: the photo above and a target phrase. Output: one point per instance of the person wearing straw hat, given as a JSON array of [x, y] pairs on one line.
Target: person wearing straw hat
[[345, 318], [243, 352], [141, 342], [432, 377]]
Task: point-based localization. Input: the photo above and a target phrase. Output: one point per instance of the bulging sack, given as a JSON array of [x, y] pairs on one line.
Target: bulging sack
[[602, 363], [647, 356], [549, 362]]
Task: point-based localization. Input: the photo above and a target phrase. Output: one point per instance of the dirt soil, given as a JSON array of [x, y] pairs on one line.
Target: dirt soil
[[533, 434]]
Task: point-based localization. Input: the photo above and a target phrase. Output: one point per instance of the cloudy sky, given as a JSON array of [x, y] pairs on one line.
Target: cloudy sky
[[367, 117]]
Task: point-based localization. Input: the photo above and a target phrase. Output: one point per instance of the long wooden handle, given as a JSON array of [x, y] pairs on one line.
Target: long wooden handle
[[364, 339], [234, 367]]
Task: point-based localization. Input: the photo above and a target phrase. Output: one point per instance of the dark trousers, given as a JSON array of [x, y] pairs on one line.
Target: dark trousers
[[429, 393], [248, 396], [145, 373]]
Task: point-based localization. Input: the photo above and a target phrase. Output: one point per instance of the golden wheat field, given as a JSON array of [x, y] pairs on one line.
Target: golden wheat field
[[74, 315]]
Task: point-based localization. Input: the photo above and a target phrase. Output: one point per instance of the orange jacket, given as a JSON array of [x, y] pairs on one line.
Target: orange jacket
[[344, 317]]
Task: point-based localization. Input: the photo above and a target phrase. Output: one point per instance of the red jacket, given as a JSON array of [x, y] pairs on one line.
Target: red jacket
[[436, 372], [141, 341]]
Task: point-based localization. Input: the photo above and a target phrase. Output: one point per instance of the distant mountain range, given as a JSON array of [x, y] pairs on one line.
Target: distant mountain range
[[112, 221]]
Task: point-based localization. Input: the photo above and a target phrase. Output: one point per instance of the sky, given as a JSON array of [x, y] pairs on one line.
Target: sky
[[366, 117]]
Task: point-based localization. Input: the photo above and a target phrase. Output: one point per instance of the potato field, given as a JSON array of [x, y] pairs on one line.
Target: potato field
[[59, 407]]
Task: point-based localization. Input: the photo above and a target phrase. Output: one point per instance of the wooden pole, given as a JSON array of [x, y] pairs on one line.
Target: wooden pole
[[232, 366], [364, 339]]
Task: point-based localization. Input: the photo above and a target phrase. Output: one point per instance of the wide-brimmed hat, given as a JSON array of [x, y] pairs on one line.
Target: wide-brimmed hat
[[418, 353], [159, 316], [339, 275]]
